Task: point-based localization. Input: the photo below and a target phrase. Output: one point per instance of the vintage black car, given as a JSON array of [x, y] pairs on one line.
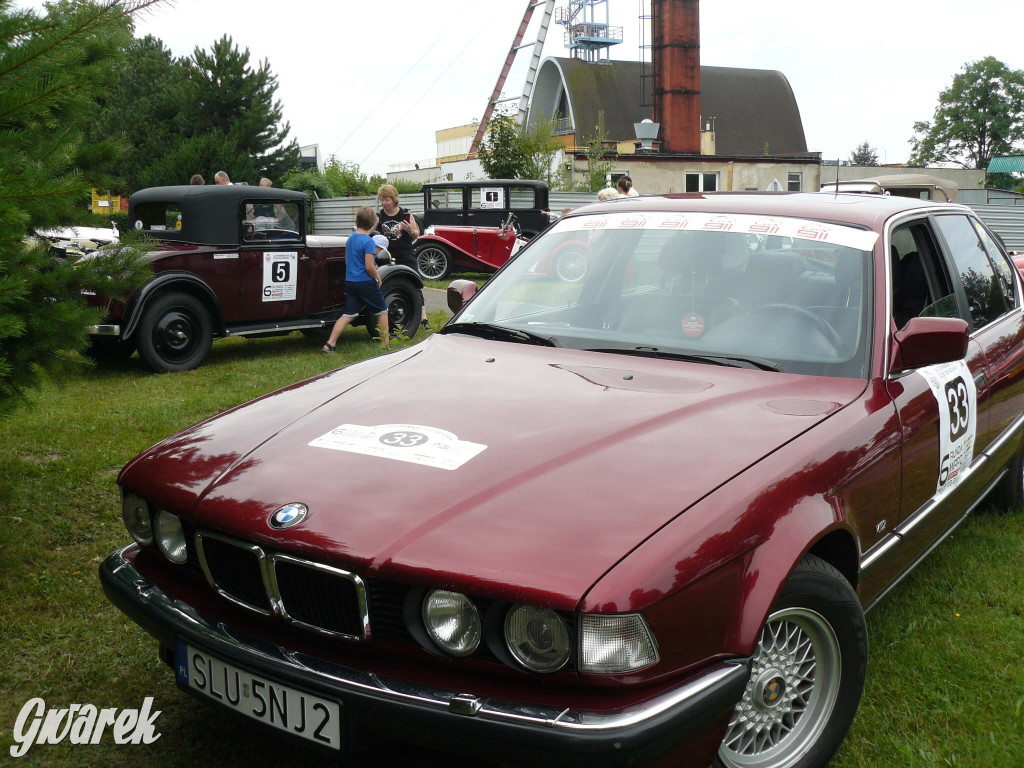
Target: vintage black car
[[487, 203], [234, 261]]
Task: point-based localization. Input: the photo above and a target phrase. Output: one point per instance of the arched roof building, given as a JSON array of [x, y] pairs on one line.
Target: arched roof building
[[755, 111]]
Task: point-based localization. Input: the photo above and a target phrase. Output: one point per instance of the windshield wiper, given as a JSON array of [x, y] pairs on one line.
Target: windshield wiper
[[731, 361], [500, 333]]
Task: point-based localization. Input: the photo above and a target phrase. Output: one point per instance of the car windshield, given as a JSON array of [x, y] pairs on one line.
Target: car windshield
[[768, 293]]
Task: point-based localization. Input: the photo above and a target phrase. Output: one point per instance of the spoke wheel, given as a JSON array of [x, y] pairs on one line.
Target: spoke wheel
[[808, 670], [433, 262], [792, 690], [571, 266]]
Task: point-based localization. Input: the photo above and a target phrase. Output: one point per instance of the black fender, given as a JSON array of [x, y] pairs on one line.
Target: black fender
[[171, 280], [391, 271]]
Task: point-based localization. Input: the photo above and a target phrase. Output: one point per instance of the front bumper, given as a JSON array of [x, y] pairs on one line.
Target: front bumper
[[484, 727]]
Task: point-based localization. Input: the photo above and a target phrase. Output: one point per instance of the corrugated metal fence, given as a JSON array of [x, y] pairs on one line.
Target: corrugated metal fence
[[1007, 221], [337, 215], [974, 197]]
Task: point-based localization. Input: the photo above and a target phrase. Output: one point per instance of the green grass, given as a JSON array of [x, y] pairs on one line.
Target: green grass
[[945, 678]]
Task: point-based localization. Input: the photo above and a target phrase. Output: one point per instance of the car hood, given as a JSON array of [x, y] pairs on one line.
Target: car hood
[[574, 458]]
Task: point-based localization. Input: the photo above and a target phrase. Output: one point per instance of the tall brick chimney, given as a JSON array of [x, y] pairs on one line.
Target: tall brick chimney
[[675, 37]]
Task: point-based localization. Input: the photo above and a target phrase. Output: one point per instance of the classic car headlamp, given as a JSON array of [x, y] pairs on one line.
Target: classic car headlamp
[[538, 638], [620, 643], [170, 538], [452, 622], [135, 513]]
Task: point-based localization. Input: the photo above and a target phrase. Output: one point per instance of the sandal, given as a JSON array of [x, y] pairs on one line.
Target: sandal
[[328, 347]]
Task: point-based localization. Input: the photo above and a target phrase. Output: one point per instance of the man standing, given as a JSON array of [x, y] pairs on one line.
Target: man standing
[[221, 177]]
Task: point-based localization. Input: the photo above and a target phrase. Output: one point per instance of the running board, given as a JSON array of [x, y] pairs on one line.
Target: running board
[[286, 325]]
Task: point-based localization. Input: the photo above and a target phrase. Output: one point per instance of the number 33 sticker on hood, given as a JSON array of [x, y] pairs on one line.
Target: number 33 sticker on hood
[[953, 387], [401, 442]]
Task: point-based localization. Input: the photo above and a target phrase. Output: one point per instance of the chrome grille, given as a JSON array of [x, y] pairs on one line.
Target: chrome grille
[[321, 597], [234, 569], [311, 595]]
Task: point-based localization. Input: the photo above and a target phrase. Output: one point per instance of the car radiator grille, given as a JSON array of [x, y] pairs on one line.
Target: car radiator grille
[[236, 572], [311, 595], [319, 598]]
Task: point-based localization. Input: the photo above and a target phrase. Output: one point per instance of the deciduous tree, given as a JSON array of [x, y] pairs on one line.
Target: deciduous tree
[[980, 115], [502, 152]]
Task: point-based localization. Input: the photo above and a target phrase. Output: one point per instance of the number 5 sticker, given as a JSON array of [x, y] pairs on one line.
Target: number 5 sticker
[[280, 282], [957, 399]]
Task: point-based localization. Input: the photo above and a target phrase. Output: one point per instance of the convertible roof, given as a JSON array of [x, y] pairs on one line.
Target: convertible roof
[[210, 214]]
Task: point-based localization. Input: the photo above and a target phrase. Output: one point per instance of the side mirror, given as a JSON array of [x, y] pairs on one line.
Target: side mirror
[[459, 293], [929, 341]]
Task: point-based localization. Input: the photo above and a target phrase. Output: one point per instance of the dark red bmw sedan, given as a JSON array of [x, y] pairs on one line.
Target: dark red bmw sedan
[[634, 517]]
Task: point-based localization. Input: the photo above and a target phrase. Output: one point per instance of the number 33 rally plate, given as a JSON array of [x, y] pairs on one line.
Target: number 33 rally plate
[[953, 387], [429, 446]]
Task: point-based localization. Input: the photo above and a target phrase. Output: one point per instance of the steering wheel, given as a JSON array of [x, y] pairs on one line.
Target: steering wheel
[[794, 311]]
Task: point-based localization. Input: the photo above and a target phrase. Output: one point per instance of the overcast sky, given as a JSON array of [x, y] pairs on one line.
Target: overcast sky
[[371, 82]]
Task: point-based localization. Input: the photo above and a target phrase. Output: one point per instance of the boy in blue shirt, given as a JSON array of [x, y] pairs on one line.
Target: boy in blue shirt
[[362, 283]]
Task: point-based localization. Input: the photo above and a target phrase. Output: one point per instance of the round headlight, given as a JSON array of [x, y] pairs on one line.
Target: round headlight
[[135, 513], [452, 622], [538, 638], [170, 538]]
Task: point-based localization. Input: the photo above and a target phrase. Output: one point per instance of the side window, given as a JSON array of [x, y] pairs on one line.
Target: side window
[[1004, 267], [522, 198], [445, 199], [920, 285], [271, 222], [984, 295]]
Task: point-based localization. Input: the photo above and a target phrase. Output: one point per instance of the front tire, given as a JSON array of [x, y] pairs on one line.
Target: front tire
[[433, 262], [175, 334], [807, 678], [405, 308]]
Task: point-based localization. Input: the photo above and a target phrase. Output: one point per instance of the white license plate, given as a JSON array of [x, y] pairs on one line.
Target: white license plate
[[279, 706]]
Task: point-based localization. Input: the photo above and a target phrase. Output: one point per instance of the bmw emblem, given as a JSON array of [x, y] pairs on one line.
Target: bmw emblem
[[289, 515]]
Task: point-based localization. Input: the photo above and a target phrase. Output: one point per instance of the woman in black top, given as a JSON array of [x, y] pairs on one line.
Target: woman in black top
[[399, 226]]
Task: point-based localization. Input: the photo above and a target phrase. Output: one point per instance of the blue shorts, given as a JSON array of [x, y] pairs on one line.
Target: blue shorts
[[363, 295]]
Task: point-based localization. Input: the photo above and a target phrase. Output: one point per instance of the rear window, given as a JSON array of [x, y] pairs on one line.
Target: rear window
[[158, 217]]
